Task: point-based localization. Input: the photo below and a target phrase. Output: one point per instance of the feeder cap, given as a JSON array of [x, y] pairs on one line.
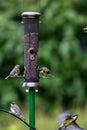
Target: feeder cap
[[30, 14]]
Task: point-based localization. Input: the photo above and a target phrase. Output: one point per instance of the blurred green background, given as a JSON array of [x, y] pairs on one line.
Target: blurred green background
[[62, 48]]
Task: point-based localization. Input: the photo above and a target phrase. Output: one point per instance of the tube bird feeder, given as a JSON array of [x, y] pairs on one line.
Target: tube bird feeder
[[31, 73]]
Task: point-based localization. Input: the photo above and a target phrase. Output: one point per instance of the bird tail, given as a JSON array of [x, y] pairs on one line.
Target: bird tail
[[7, 77], [22, 117]]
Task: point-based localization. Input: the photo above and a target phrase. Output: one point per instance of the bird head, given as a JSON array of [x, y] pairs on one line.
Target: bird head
[[75, 117], [17, 66], [44, 69], [62, 117], [12, 103]]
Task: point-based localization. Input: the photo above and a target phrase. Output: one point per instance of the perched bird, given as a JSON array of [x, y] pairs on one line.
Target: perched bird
[[14, 72], [14, 109], [68, 121], [44, 72]]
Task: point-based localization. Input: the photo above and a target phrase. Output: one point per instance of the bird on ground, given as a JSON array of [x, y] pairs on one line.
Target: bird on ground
[[14, 72], [44, 72], [68, 121], [14, 109]]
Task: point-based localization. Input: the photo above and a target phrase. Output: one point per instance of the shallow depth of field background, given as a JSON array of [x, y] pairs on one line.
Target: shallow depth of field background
[[62, 48]]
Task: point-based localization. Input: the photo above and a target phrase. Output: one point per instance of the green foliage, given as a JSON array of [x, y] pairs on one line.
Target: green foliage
[[61, 42], [61, 48]]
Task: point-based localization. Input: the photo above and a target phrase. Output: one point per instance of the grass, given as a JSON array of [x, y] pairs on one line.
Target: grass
[[44, 121]]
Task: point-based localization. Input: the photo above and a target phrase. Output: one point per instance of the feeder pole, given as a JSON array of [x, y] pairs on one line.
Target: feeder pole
[[31, 74]]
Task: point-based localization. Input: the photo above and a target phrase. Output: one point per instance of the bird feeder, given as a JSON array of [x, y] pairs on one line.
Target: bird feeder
[[31, 73], [31, 29]]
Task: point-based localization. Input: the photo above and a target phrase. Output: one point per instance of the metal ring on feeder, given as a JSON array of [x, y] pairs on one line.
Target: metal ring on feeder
[[29, 85]]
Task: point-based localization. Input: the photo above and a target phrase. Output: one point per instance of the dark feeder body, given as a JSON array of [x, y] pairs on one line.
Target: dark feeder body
[[31, 31]]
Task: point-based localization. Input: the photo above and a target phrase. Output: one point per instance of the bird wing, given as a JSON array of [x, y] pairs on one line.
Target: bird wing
[[74, 127], [17, 110], [63, 116], [14, 71]]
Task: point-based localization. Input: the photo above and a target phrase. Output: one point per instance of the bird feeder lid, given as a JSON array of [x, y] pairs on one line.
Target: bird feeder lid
[[30, 14]]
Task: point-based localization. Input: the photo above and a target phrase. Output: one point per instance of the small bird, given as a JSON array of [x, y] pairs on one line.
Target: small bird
[[68, 121], [44, 72], [14, 109], [14, 72]]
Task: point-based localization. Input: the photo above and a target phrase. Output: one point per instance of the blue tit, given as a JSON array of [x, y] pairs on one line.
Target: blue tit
[[68, 121], [85, 29], [14, 109], [14, 72], [44, 72]]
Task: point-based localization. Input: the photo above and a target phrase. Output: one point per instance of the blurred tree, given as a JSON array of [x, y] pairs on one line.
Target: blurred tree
[[63, 42], [62, 45]]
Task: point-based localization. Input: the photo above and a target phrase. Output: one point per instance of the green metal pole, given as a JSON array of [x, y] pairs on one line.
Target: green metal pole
[[32, 108]]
